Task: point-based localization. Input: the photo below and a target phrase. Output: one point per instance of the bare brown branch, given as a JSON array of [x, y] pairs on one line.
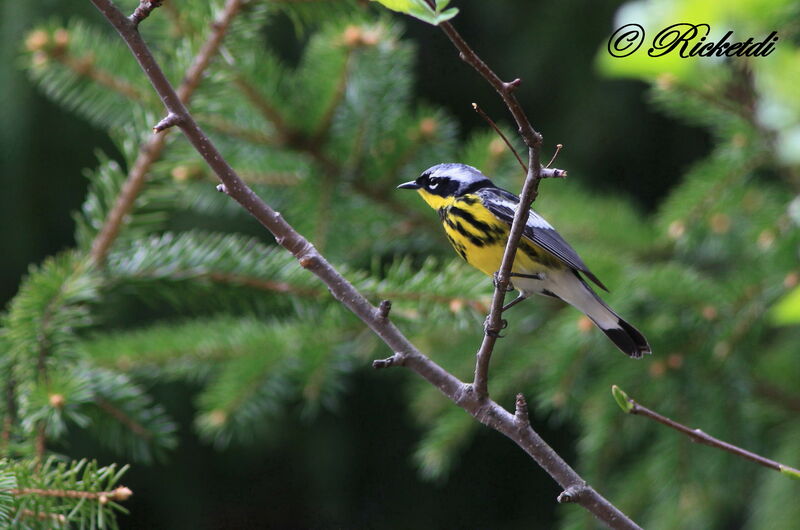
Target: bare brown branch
[[696, 435], [84, 66], [405, 353], [533, 140]]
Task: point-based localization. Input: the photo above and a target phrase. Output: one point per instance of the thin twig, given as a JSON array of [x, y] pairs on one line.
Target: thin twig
[[559, 147], [533, 140], [135, 427], [84, 66], [295, 140], [630, 406], [405, 353], [494, 126], [151, 150], [118, 494]]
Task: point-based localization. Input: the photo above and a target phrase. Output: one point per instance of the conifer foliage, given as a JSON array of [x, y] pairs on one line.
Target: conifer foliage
[[326, 140]]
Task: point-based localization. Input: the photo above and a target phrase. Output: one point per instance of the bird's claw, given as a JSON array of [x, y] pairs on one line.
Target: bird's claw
[[495, 333], [496, 282]]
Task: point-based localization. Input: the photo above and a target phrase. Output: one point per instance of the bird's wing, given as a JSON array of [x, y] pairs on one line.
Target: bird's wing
[[503, 205]]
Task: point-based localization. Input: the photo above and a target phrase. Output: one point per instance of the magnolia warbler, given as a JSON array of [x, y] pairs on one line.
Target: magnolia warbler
[[477, 217]]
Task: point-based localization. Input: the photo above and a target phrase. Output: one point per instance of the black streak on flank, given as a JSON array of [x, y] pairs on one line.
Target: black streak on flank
[[458, 227], [459, 247], [475, 240], [480, 226]]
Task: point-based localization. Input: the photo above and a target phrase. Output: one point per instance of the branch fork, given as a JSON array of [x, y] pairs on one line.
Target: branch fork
[[521, 416], [572, 494], [511, 86], [143, 10], [395, 360], [383, 309], [170, 120]]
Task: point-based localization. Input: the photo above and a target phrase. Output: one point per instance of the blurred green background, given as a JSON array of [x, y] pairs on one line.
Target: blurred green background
[[353, 465], [614, 141]]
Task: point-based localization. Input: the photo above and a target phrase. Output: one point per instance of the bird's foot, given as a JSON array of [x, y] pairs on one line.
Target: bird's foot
[[496, 282], [488, 330]]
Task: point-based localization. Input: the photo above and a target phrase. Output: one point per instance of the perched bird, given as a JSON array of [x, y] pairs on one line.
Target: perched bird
[[477, 217]]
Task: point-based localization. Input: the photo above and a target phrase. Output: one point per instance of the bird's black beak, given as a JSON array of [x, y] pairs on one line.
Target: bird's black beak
[[410, 185]]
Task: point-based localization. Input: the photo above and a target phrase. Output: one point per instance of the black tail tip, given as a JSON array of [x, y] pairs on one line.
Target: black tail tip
[[629, 340]]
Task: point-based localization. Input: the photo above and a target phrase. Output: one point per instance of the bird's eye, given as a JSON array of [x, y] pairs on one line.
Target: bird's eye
[[433, 183]]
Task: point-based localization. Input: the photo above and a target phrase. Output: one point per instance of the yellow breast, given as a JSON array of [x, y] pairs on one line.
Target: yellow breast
[[480, 238]]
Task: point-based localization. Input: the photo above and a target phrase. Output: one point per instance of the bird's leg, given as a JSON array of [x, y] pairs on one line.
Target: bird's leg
[[521, 296], [494, 282], [513, 302]]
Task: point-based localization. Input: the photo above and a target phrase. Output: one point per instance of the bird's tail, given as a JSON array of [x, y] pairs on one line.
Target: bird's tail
[[626, 337]]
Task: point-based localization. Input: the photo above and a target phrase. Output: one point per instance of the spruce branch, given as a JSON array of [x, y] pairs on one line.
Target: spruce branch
[[120, 493], [630, 406], [79, 493], [174, 16], [56, 47], [265, 285], [118, 414], [56, 518], [298, 141], [286, 134], [479, 406], [424, 134], [150, 152], [226, 126], [323, 128], [41, 442], [10, 412]]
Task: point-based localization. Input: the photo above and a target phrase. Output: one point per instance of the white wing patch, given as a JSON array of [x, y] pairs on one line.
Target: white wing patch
[[537, 221], [534, 219]]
